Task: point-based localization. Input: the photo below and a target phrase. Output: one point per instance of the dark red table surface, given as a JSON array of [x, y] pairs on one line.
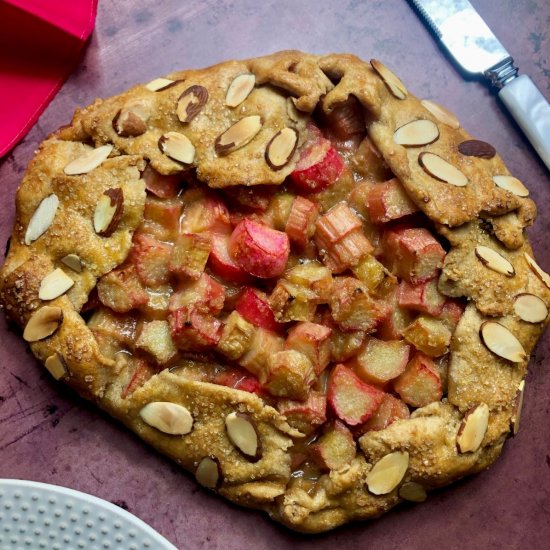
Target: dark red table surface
[[48, 434]]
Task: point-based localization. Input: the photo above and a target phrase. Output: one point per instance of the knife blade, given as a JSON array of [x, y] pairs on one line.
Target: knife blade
[[478, 52]]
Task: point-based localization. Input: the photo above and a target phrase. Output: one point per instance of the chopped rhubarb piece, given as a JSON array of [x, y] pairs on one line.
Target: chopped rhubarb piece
[[290, 374], [205, 295], [300, 225], [236, 337], [369, 163], [264, 344], [344, 345], [222, 264], [319, 167], [121, 328], [292, 302], [353, 308], [193, 330], [346, 119], [279, 210], [420, 384], [314, 277], [442, 368], [240, 380], [313, 340], [423, 297], [141, 372], [258, 249], [164, 187], [413, 253], [338, 222], [429, 335], [370, 271], [390, 410], [151, 259], [121, 290], [306, 415], [335, 448], [359, 198], [162, 217], [451, 313], [154, 338], [190, 254], [392, 327], [389, 201], [158, 299], [380, 361], [207, 213], [352, 400], [254, 307]]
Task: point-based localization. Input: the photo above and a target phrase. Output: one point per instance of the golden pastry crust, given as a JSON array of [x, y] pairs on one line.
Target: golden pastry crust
[[479, 213]]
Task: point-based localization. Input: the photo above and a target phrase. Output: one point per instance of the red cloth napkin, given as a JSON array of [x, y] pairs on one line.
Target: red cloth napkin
[[40, 42]]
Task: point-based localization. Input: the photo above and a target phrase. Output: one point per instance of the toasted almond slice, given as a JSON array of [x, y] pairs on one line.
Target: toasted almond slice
[[502, 342], [416, 133], [477, 148], [530, 308], [169, 418], [542, 275], [238, 135], [493, 260], [178, 147], [88, 161], [472, 429], [395, 86], [56, 366], [281, 147], [239, 89], [42, 218], [517, 408], [413, 492], [509, 183], [54, 285], [441, 113], [72, 261], [191, 102], [43, 323], [159, 84], [387, 473], [441, 170], [208, 472], [242, 433], [108, 212], [129, 123]]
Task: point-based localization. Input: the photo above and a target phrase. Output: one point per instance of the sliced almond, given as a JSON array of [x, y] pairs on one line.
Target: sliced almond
[[238, 135], [178, 147], [129, 123], [493, 260], [502, 342], [56, 366], [530, 308], [395, 86], [108, 212], [387, 473], [441, 170], [441, 113], [416, 133], [281, 147], [477, 148], [191, 102], [54, 285], [517, 408], [88, 161], [72, 261], [542, 275], [43, 323], [208, 472], [42, 218], [239, 89], [413, 492], [169, 418], [509, 183], [159, 84], [472, 429], [242, 433]]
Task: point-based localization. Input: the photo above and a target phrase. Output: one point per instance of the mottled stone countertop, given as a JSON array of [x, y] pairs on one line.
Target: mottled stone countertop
[[48, 434]]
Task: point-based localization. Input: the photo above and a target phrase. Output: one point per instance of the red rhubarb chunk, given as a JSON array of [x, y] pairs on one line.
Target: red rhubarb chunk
[[205, 295], [151, 258], [255, 309], [208, 213], [142, 372], [193, 330], [258, 249], [164, 187], [389, 201], [300, 225], [423, 297], [352, 400], [240, 380], [221, 263], [306, 415]]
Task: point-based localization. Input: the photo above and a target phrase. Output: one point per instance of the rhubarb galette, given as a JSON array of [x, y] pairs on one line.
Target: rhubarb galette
[[307, 287]]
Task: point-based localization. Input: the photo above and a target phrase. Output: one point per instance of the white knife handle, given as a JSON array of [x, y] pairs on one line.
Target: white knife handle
[[531, 111]]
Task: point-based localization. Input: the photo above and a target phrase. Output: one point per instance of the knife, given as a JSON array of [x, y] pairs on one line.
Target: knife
[[472, 45]]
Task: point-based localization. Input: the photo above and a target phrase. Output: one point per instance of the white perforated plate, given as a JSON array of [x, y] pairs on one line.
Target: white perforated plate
[[38, 516]]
